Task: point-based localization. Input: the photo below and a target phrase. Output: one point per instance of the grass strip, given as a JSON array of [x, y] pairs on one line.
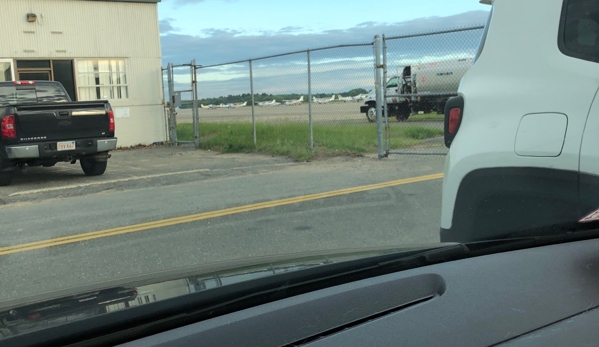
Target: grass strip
[[292, 139]]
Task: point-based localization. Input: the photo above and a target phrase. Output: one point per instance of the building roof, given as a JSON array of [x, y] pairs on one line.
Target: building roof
[[144, 1]]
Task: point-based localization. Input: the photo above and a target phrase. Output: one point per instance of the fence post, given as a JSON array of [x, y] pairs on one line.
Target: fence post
[[164, 108], [385, 78], [379, 96], [171, 93], [310, 101], [195, 113], [252, 92]]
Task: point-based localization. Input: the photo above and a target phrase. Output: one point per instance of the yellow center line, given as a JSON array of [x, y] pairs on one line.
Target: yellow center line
[[205, 215]]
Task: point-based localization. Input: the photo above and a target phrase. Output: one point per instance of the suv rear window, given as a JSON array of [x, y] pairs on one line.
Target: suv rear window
[[579, 29]]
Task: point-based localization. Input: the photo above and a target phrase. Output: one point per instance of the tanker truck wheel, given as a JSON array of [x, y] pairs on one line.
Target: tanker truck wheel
[[371, 113], [403, 112]]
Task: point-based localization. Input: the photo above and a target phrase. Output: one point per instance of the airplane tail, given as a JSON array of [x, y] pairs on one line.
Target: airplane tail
[[301, 98]]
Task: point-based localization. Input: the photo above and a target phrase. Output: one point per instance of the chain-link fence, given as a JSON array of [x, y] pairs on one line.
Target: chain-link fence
[[421, 72], [324, 99]]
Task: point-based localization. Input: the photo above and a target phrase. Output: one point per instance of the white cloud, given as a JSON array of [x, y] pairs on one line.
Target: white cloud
[[333, 70]]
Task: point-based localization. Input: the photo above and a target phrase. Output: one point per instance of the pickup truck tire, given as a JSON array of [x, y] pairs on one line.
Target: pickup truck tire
[[5, 178], [93, 167]]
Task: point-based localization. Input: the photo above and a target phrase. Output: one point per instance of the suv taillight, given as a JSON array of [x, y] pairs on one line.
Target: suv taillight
[[8, 128], [454, 112], [110, 120]]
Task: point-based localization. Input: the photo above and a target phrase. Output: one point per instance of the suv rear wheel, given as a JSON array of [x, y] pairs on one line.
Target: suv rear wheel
[[93, 167]]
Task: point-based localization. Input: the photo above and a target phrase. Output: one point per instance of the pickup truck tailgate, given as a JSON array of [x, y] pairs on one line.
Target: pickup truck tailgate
[[69, 120]]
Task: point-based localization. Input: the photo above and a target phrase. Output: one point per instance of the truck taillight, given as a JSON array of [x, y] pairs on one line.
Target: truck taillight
[[454, 114], [8, 128], [24, 82], [111, 120]]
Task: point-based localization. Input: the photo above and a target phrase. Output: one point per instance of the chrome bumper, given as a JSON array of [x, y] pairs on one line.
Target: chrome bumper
[[33, 150], [22, 152], [106, 145]]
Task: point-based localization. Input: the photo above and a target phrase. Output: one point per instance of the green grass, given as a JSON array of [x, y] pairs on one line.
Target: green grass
[[426, 116], [292, 139]]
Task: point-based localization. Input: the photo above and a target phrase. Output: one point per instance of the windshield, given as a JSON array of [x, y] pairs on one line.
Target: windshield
[[199, 148], [392, 82]]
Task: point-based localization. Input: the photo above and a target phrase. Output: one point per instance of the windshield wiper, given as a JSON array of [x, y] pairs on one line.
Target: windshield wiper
[[559, 231]]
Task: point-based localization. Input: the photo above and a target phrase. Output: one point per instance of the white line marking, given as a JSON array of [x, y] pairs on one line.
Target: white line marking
[[133, 178], [51, 189]]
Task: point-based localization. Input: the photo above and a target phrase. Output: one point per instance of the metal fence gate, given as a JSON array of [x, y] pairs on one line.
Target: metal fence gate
[[311, 111], [174, 102]]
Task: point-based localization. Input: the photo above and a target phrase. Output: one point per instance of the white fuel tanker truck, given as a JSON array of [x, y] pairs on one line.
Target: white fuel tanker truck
[[422, 87]]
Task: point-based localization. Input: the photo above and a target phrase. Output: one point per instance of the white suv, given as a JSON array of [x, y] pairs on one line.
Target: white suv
[[524, 131]]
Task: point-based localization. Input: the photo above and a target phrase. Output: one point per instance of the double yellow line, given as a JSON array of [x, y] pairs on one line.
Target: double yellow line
[[205, 215]]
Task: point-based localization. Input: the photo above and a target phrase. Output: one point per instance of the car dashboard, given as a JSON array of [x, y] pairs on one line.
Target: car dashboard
[[543, 296]]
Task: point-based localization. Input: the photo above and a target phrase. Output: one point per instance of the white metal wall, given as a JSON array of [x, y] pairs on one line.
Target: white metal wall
[[96, 29]]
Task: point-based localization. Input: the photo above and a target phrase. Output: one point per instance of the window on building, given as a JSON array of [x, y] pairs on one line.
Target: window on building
[[6, 70], [48, 70], [102, 79], [579, 32]]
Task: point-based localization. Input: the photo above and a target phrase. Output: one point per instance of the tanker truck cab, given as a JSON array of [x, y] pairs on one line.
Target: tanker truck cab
[[523, 132], [391, 88]]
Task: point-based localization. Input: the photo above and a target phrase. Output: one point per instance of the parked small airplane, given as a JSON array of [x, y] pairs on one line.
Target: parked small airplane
[[267, 103], [323, 100], [238, 104], [294, 102], [208, 107], [345, 98]]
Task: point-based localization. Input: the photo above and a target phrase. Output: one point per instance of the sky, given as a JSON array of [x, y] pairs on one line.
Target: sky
[[218, 31]]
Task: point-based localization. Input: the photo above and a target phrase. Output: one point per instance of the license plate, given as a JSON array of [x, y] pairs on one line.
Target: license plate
[[65, 145]]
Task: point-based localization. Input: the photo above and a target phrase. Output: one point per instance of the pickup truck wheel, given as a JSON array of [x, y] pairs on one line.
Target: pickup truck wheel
[[371, 114], [92, 167], [5, 178]]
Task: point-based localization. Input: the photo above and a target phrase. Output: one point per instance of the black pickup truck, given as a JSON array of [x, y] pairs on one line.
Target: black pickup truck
[[40, 125]]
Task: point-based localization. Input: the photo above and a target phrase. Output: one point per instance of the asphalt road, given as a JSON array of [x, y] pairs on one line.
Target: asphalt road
[[150, 185]]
